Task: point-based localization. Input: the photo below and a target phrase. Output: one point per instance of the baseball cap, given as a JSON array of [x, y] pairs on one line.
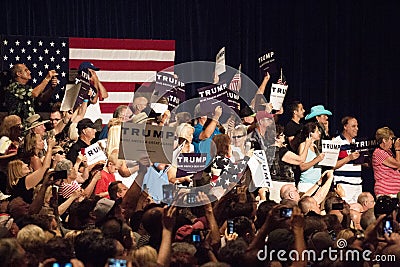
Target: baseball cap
[[85, 123], [87, 65], [103, 207]]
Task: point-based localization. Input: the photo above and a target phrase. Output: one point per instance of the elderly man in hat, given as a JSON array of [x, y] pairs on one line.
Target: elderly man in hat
[[36, 125], [87, 135], [320, 115], [99, 91], [20, 94]]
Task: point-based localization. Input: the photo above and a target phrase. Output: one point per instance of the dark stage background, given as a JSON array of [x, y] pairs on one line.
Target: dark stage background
[[342, 54]]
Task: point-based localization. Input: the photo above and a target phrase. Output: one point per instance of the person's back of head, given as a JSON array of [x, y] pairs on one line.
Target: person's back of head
[[233, 253], [11, 253], [119, 230], [60, 249], [313, 224], [307, 204], [243, 226], [330, 201], [183, 254], [144, 256], [151, 222], [32, 238], [367, 218], [93, 249], [262, 212], [80, 213], [289, 191]]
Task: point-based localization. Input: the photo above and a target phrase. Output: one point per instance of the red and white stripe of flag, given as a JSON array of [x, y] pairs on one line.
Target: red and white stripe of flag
[[124, 64]]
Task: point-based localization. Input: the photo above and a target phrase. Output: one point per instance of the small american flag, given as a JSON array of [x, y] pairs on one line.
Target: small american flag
[[236, 82]]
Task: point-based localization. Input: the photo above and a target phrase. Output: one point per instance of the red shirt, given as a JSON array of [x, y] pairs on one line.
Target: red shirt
[[387, 180], [104, 182]]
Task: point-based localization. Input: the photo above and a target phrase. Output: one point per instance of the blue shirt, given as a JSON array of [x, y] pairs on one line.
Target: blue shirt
[[203, 146]]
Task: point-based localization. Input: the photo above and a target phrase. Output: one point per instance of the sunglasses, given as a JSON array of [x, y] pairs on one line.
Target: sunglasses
[[237, 136], [59, 152]]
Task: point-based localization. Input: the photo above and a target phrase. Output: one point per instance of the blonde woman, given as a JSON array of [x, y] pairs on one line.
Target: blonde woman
[[185, 137], [21, 180], [239, 138], [34, 147]]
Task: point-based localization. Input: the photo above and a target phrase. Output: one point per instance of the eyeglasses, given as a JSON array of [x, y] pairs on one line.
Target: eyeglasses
[[237, 136], [61, 152]]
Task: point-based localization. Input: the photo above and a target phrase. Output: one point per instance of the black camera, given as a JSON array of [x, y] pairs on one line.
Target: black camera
[[385, 205]]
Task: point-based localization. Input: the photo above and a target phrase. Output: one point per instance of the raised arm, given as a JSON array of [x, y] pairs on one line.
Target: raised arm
[[35, 177], [293, 158], [132, 196], [323, 189], [168, 223], [41, 86], [307, 165], [62, 123], [209, 130], [98, 85]]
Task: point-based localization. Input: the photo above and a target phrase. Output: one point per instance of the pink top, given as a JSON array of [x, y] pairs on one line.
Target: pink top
[[387, 180]]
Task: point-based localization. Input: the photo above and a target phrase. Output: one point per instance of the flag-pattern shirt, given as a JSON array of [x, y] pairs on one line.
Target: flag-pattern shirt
[[225, 172]]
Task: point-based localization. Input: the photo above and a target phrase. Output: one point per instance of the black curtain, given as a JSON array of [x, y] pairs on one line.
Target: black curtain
[[342, 54]]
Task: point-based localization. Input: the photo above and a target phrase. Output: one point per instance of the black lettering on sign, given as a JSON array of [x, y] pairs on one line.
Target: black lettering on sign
[[330, 146]]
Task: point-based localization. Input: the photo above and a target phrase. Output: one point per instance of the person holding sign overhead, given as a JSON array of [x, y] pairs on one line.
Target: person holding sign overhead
[[346, 172], [99, 91], [205, 129]]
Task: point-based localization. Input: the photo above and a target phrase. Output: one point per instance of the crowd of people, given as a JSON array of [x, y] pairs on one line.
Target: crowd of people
[[58, 210]]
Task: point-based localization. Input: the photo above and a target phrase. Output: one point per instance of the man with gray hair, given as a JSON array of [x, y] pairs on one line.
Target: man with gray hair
[[20, 95], [69, 184]]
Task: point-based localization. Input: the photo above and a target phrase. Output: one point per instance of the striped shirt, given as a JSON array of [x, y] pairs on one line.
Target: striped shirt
[[349, 173], [387, 180], [66, 189]]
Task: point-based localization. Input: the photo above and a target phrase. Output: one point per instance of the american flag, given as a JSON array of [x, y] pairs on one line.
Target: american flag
[[236, 82], [39, 54], [124, 63], [225, 172]]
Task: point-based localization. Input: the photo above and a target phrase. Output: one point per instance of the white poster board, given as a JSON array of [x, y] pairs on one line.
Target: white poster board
[[71, 93], [278, 92], [145, 140], [331, 149], [259, 168], [94, 154]]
